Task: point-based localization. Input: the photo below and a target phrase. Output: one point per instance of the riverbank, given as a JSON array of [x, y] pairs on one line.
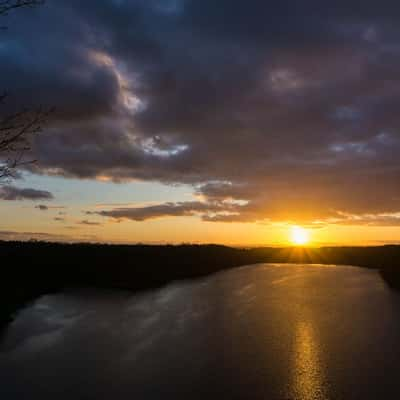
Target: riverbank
[[31, 269]]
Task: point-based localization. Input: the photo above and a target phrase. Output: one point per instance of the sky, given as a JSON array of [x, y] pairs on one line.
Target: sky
[[206, 121]]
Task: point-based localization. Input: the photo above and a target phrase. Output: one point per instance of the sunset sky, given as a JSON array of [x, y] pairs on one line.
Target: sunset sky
[[203, 121]]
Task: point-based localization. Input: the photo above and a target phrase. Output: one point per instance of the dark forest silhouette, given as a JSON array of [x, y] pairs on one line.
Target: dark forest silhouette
[[31, 269]]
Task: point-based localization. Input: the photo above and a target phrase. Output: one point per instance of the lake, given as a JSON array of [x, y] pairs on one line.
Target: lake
[[265, 331]]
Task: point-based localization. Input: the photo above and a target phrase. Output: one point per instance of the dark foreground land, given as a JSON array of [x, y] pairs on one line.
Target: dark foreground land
[[30, 269]]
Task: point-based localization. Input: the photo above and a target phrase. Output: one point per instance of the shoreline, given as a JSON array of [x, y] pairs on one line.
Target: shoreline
[[32, 269]]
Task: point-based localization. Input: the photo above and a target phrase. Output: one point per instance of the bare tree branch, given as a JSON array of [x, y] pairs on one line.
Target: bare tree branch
[[16, 134], [18, 130], [8, 5]]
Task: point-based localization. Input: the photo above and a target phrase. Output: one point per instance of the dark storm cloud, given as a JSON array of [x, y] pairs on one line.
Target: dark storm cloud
[[169, 209], [289, 108], [13, 193]]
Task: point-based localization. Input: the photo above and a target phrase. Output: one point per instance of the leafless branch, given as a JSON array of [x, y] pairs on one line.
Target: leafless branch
[[16, 134], [8, 5], [18, 130]]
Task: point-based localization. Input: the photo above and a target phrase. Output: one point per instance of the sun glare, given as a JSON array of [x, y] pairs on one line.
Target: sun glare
[[299, 236]]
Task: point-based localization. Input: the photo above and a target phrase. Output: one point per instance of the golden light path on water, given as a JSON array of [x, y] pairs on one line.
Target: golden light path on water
[[261, 332], [308, 379]]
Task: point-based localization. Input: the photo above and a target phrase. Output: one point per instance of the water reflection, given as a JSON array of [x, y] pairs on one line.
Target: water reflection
[[260, 332], [308, 379]]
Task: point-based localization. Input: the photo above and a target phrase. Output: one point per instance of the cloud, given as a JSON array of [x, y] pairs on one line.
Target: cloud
[[23, 236], [179, 209], [291, 108], [380, 219], [44, 236], [12, 193], [59, 219], [90, 223], [42, 207]]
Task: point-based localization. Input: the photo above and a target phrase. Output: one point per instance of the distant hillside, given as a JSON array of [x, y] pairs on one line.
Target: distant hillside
[[30, 269]]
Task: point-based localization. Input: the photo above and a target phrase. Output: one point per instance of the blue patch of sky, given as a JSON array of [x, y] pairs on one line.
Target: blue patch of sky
[[91, 192]]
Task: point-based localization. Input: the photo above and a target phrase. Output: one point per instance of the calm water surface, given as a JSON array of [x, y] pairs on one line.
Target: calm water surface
[[258, 332]]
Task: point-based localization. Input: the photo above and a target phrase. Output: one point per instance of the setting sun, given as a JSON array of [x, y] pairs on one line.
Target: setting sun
[[299, 236]]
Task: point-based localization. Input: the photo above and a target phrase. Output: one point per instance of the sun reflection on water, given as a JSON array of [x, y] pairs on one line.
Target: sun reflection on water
[[308, 377]]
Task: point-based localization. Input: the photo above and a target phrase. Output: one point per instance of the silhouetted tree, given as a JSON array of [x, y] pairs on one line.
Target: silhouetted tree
[[17, 129]]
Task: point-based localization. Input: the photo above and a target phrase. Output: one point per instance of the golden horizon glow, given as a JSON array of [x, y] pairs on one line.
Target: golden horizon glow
[[299, 236], [20, 222]]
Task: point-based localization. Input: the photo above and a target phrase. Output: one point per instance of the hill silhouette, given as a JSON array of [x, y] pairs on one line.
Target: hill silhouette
[[31, 269]]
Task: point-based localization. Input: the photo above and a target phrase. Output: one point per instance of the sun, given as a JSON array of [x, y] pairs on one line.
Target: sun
[[299, 236]]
